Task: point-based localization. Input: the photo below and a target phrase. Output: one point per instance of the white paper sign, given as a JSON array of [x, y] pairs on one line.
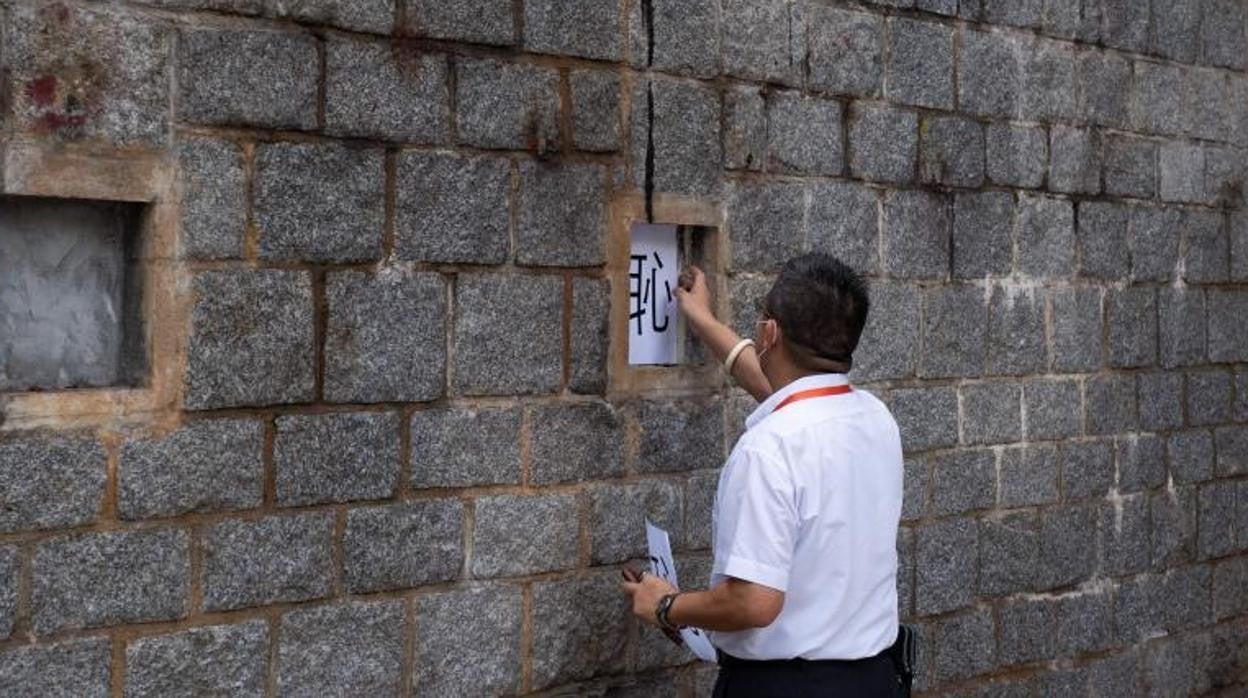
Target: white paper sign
[[663, 565], [653, 274]]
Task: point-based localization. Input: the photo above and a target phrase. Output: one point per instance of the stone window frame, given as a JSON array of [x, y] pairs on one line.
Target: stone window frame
[[625, 209], [64, 171]]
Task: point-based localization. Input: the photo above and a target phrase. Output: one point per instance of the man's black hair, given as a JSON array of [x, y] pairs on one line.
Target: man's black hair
[[821, 304]]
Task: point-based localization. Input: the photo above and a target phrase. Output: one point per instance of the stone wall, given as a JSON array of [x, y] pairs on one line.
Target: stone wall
[[381, 451]]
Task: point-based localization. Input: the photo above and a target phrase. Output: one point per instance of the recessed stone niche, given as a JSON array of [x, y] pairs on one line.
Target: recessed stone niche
[[71, 289]]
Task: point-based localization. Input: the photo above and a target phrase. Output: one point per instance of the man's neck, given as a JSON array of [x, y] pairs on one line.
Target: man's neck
[[784, 375]]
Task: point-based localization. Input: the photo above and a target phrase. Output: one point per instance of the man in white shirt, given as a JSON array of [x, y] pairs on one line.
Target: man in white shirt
[[803, 595]]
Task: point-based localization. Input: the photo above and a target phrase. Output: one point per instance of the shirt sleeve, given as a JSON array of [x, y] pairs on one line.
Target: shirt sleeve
[[757, 522]]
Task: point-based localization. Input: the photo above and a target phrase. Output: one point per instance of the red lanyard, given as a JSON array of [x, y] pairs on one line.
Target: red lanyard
[[814, 392]]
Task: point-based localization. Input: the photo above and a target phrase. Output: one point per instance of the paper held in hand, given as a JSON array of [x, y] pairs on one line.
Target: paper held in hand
[[663, 565]]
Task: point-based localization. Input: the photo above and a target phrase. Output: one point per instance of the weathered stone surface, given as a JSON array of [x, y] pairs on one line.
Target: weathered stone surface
[[274, 559], [208, 660], [385, 336], [1016, 155], [804, 134], [883, 143], [927, 417], [916, 230], [477, 21], [685, 435], [404, 545], [1028, 630], [1125, 546], [87, 74], [1141, 462], [953, 332], [214, 207], [846, 51], [494, 355], [249, 78], [617, 516], [374, 16], [686, 37], [681, 134], [1104, 83], [991, 413], [1008, 552], [699, 501], [468, 641], [843, 220], [319, 203], [349, 649], [507, 105], [1206, 251], [1173, 514], [1110, 403], [1228, 333], [503, 540], [95, 579], [77, 667], [969, 647], [963, 481], [1230, 588], [1131, 314], [1161, 400], [1209, 397], [1181, 172], [589, 334], [762, 40], [576, 442], [889, 344], [766, 224], [920, 63], [1087, 468], [461, 447], [579, 628], [1232, 448], [952, 150], [1190, 454], [1052, 408], [1048, 91], [1157, 98], [208, 465], [1084, 623], [745, 129], [595, 110], [1162, 602], [9, 566], [983, 234], [946, 555], [1103, 250], [50, 481], [1028, 476], [452, 208], [1222, 34], [1155, 233], [1076, 342], [1215, 524], [336, 457], [1016, 331], [1074, 160], [1067, 545], [561, 216], [1130, 168], [1124, 24], [990, 73], [589, 29], [1046, 236], [393, 93]]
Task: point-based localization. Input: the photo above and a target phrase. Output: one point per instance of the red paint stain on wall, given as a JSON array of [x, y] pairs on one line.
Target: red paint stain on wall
[[42, 91]]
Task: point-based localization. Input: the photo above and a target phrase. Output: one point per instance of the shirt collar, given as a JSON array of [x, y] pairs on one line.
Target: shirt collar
[[821, 380]]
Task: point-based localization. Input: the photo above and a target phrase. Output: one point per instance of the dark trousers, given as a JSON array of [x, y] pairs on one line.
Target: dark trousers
[[873, 677]]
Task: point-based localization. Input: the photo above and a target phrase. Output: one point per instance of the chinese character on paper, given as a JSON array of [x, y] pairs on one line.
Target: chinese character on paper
[[652, 279]]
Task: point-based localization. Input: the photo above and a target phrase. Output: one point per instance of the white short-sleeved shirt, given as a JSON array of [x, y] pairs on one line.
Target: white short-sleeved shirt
[[808, 503]]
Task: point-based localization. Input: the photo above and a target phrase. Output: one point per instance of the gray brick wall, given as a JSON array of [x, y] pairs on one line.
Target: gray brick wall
[[394, 465]]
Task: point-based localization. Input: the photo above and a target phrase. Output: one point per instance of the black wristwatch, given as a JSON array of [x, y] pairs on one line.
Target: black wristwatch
[[660, 612]]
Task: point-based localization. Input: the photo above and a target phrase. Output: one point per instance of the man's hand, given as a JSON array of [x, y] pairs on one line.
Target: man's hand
[[646, 595], [694, 296]]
